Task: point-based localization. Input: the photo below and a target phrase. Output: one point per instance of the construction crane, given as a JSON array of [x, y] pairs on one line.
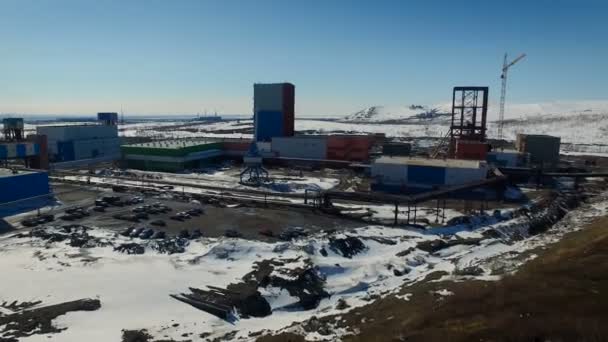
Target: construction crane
[[503, 91]]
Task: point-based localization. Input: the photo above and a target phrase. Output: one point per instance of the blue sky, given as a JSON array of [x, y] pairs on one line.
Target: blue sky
[[163, 57]]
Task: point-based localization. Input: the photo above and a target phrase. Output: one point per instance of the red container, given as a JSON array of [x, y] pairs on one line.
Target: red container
[[471, 150], [349, 147]]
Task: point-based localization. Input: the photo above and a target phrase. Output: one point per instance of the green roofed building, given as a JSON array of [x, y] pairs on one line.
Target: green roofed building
[[175, 155]]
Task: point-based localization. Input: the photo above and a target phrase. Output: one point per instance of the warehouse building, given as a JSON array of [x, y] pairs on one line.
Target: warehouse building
[[18, 150], [179, 155], [300, 147], [77, 142], [322, 147], [401, 174], [543, 149], [273, 110], [32, 150], [22, 185]]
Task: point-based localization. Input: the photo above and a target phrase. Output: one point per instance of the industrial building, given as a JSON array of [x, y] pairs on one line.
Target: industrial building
[[273, 110], [543, 149], [402, 174], [323, 147], [179, 155], [108, 118], [300, 147], [20, 186], [76, 142], [14, 146]]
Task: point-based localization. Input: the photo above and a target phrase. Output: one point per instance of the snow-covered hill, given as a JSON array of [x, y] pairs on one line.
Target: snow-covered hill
[[397, 113], [581, 128], [438, 112]]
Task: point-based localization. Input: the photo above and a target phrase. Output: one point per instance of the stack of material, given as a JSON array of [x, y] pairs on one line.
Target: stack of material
[[246, 300]]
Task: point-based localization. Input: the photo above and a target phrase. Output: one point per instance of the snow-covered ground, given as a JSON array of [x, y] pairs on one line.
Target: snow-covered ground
[[581, 128], [134, 289], [415, 112], [229, 178]]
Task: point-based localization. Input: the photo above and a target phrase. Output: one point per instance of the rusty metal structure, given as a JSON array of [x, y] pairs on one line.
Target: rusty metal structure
[[469, 113], [469, 121]]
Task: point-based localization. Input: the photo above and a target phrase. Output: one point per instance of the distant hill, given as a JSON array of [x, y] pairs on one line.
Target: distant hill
[[396, 114], [439, 113]]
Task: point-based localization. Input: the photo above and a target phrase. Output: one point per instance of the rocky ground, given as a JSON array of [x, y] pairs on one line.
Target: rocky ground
[[561, 295], [370, 283]]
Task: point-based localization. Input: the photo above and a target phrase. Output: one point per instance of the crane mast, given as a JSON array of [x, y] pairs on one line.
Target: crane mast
[[503, 91]]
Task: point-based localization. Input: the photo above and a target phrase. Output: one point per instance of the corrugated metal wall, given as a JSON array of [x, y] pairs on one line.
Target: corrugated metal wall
[[24, 185], [65, 151], [56, 134], [349, 147], [93, 148], [471, 150], [543, 149], [427, 175], [312, 147], [398, 174], [389, 173], [457, 175], [18, 150]]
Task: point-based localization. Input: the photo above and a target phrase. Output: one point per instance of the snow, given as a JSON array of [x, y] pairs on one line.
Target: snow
[[134, 289], [222, 178], [444, 292], [512, 110], [591, 153], [406, 297]]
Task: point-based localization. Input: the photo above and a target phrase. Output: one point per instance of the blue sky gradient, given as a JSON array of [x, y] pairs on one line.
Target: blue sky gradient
[[163, 57]]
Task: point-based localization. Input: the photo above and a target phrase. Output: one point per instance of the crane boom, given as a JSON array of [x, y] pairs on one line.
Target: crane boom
[[505, 68], [503, 91]]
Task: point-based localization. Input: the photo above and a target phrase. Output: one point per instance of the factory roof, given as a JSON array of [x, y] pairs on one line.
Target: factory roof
[[75, 124], [417, 161], [175, 144]]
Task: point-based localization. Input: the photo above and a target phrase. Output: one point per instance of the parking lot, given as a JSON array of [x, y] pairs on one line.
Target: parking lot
[[118, 211]]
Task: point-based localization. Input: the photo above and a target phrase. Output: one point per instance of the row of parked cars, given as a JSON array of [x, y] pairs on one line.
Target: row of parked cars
[[185, 215], [143, 233], [36, 220], [149, 233], [115, 201]]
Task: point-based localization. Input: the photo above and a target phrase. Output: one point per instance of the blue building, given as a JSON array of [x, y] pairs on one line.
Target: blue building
[[22, 191]]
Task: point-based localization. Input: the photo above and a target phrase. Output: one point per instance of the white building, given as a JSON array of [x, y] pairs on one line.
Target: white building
[[426, 173], [75, 142]]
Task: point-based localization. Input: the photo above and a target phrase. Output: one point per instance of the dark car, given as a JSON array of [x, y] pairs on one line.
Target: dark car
[[232, 233], [159, 223], [159, 235], [136, 232], [128, 231], [147, 233]]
